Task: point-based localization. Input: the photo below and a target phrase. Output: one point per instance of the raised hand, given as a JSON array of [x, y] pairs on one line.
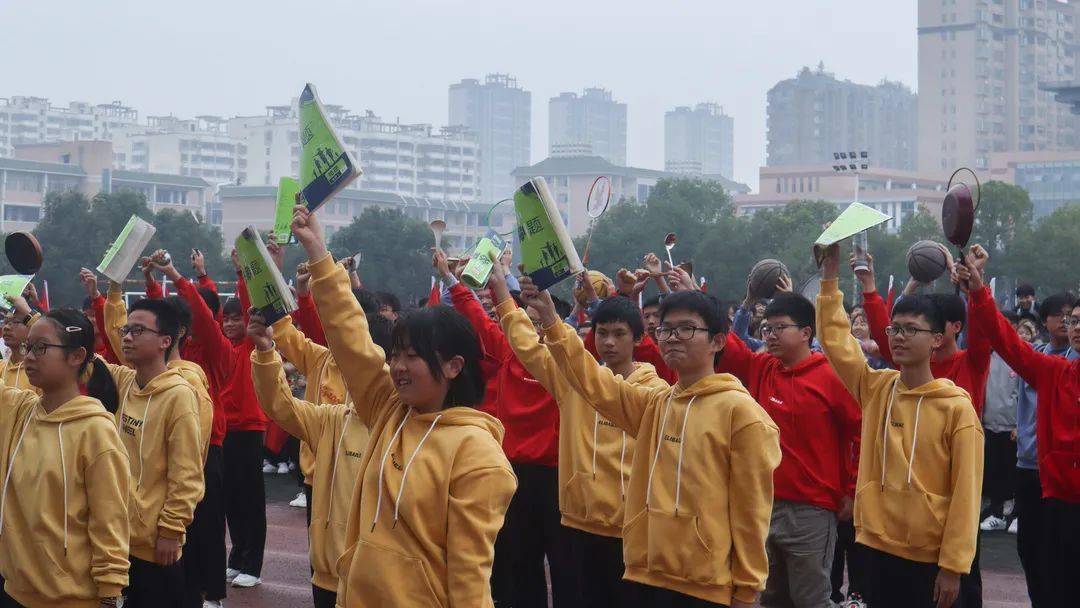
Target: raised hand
[[830, 262], [303, 279], [979, 255], [540, 300], [235, 260], [276, 251], [308, 231], [652, 264], [441, 264], [90, 283], [866, 275], [198, 262], [497, 281], [784, 284], [678, 279], [161, 261], [261, 334], [626, 282]]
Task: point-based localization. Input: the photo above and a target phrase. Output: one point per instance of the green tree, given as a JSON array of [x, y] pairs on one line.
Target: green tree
[[395, 254], [1004, 213]]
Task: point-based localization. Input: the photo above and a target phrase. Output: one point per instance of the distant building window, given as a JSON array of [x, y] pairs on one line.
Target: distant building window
[[21, 213]]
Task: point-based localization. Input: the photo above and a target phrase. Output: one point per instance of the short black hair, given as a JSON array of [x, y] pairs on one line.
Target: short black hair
[[212, 299], [1010, 316], [168, 319], [700, 303], [232, 307], [183, 316], [619, 309], [439, 333], [921, 305], [380, 329], [368, 301], [653, 301], [388, 299], [797, 307], [953, 309], [1024, 289], [1053, 305]]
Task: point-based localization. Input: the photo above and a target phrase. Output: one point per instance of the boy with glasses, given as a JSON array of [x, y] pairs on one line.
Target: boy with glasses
[[819, 425], [921, 454]]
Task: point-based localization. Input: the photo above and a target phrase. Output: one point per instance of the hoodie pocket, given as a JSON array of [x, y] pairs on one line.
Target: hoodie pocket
[[636, 541], [589, 499], [388, 578], [1064, 466], [678, 547], [902, 516]]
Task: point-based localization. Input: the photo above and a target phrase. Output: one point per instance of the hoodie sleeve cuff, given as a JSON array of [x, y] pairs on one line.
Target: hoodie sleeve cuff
[[745, 595], [323, 267], [164, 532], [830, 287], [264, 356], [109, 590]]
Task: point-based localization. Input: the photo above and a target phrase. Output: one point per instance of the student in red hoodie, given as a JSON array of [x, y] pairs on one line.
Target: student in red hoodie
[[819, 421], [1057, 382], [533, 528]]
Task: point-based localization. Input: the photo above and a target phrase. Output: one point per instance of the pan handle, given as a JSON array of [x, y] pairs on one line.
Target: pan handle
[[978, 185]]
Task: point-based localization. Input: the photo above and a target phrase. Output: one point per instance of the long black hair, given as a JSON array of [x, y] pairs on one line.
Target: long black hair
[[438, 334], [75, 331]]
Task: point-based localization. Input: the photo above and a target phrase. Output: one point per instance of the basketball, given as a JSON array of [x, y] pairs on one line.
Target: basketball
[[926, 261], [764, 275]]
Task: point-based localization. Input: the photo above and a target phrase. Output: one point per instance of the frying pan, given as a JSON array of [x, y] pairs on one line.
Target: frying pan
[[958, 211], [24, 252]]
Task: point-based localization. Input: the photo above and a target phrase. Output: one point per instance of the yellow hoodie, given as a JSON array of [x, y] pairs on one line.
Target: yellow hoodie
[[116, 317], [433, 488], [63, 518], [159, 428], [340, 441], [324, 382], [13, 375], [594, 454], [920, 475], [700, 498]]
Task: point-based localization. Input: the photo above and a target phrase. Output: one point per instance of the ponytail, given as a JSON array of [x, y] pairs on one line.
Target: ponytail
[[101, 386]]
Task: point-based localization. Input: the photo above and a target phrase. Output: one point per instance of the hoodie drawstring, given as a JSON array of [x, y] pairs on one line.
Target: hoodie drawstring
[[885, 434], [408, 463], [622, 478], [142, 440], [595, 429], [659, 440], [682, 442], [11, 465], [382, 465], [63, 474], [333, 471]]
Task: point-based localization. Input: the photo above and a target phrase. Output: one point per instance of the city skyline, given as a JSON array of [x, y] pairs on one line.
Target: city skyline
[[700, 54]]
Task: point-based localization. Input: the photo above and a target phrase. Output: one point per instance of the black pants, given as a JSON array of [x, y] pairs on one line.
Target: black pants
[[5, 599], [1031, 535], [647, 596], [532, 530], [204, 567], [154, 586], [307, 496], [999, 470], [895, 582], [846, 553], [1062, 552], [323, 598], [971, 583], [599, 563], [245, 503]]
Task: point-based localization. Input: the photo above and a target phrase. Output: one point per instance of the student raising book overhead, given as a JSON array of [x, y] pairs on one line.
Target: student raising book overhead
[[434, 483], [921, 456], [701, 484]]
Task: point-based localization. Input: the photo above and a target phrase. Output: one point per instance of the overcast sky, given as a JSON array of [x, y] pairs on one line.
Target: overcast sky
[[397, 57]]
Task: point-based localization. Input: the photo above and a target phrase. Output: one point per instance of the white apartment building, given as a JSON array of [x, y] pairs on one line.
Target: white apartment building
[[407, 159], [500, 113], [199, 147], [33, 120], [593, 119]]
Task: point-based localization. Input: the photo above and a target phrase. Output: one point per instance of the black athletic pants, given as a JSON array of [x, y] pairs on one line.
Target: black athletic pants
[[648, 596], [1031, 535], [895, 582], [971, 583], [204, 568], [154, 586], [599, 561], [999, 470], [323, 597], [1063, 552], [846, 553], [245, 503], [532, 530]]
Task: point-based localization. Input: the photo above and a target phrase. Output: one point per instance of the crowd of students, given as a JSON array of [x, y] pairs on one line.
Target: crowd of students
[[633, 452]]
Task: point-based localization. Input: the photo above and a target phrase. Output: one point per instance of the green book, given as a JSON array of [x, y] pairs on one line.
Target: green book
[[270, 294], [287, 190], [12, 286], [126, 249], [547, 253], [325, 165]]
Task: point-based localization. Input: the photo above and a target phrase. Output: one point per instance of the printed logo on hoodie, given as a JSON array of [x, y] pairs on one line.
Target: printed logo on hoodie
[[130, 424]]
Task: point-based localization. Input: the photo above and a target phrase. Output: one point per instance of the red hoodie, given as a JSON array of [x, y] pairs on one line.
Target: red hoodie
[[242, 411], [1056, 381], [646, 352], [968, 369], [203, 348], [819, 422], [526, 409], [102, 346], [307, 319]]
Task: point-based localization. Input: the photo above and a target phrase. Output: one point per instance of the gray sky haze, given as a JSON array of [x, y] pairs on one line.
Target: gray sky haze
[[397, 58]]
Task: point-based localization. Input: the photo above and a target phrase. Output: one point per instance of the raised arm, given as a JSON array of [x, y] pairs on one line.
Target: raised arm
[[297, 349], [738, 360], [216, 348], [97, 302], [492, 339], [834, 330], [740, 326], [299, 418], [114, 316]]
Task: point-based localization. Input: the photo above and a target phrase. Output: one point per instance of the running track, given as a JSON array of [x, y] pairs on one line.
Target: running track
[[286, 582]]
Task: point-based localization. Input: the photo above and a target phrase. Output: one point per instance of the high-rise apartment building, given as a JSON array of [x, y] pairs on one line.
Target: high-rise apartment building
[[499, 112], [593, 120], [34, 120], [980, 66], [199, 147], [814, 115], [699, 141]]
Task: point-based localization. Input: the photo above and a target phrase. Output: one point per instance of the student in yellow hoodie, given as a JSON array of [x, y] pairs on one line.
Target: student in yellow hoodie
[[63, 514], [701, 484], [158, 422], [339, 440], [921, 455], [15, 328], [434, 483], [594, 454]]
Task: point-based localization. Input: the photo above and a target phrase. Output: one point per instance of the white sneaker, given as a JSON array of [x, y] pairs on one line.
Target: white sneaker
[[246, 580], [300, 502], [210, 604], [269, 468], [230, 574], [1012, 526], [992, 523], [283, 468], [1009, 506]]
